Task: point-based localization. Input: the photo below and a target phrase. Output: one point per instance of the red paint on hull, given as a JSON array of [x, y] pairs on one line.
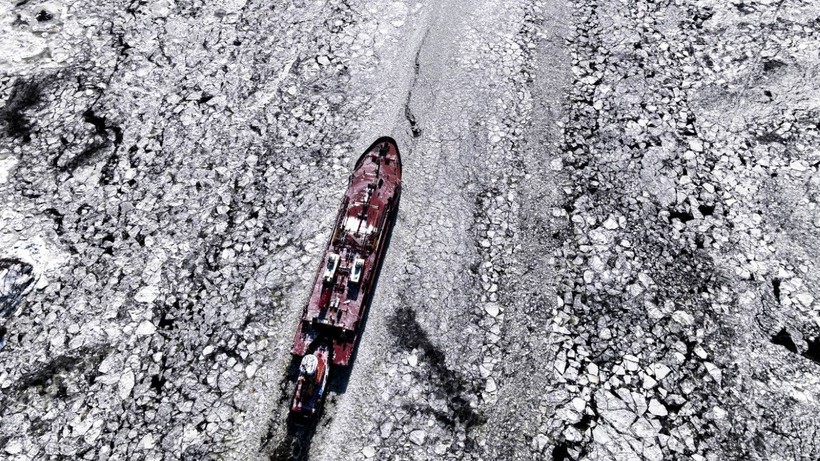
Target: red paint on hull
[[343, 285]]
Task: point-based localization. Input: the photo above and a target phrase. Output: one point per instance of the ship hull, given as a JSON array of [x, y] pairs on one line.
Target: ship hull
[[343, 285]]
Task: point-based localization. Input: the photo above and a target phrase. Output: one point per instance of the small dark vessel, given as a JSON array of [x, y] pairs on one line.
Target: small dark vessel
[[331, 322]]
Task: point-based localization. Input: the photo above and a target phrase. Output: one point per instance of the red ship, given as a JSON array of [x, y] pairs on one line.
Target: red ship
[[331, 322]]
